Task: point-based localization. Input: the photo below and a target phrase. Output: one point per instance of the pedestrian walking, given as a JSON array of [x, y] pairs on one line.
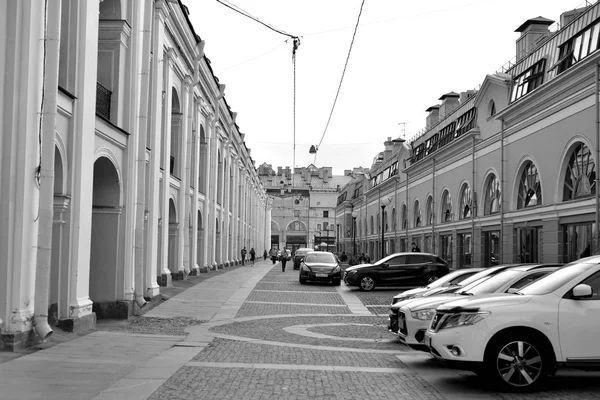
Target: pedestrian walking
[[243, 255], [252, 255], [284, 258], [273, 255], [415, 248], [265, 254]]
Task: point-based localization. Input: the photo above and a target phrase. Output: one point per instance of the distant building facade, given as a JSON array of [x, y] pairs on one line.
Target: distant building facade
[[302, 206], [506, 173], [122, 164]]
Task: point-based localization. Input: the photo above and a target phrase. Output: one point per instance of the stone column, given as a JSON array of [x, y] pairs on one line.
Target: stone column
[[165, 274], [184, 189], [153, 268], [212, 196], [195, 196]]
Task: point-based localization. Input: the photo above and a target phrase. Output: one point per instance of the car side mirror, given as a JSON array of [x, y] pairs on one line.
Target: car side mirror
[[512, 290], [582, 291]]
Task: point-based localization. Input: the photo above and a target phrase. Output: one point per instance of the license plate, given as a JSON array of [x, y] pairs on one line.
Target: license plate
[[321, 275], [427, 341]]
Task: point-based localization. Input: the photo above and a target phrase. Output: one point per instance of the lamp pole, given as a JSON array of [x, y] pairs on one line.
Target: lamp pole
[[384, 203], [354, 215]]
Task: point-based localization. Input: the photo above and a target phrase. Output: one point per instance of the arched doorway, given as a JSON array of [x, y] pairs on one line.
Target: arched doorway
[[104, 254], [173, 248], [60, 207], [200, 242]]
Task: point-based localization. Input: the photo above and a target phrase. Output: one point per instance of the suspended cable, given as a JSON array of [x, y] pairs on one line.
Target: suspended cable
[[341, 80], [254, 58], [247, 14]]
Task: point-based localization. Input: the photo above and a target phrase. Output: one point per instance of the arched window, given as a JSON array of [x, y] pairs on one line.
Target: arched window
[[429, 212], [492, 108], [274, 226], [417, 215], [530, 189], [446, 207], [296, 226], [394, 219], [385, 221], [465, 202], [404, 217], [378, 223], [580, 175], [372, 225], [493, 195]]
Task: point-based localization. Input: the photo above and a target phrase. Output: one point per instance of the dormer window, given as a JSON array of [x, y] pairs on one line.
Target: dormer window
[[529, 80], [577, 48]]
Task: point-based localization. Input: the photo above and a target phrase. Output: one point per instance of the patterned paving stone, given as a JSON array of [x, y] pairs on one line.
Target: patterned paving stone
[[232, 351], [381, 311], [294, 286], [273, 329], [260, 309], [271, 384], [376, 298], [376, 331], [297, 297]]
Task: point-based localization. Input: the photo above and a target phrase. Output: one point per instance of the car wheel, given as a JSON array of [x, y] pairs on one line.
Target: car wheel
[[367, 283], [432, 279], [517, 362]]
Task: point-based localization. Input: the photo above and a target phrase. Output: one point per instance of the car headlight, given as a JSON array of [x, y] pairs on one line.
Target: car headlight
[[423, 315], [336, 269], [462, 319], [303, 267]]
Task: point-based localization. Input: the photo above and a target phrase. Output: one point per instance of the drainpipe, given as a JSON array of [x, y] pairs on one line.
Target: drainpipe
[[501, 191], [473, 192], [433, 208], [46, 173], [407, 212], [597, 157]]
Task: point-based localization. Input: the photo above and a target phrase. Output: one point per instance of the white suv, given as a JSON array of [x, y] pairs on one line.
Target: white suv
[[516, 340]]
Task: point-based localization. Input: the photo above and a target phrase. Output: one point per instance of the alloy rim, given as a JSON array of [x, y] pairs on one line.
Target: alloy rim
[[519, 364], [432, 279], [367, 283]]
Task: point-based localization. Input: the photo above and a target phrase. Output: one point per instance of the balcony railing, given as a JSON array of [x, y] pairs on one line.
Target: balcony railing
[[103, 96]]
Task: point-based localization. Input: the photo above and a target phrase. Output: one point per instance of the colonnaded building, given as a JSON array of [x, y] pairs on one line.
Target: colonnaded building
[[505, 173], [122, 164]]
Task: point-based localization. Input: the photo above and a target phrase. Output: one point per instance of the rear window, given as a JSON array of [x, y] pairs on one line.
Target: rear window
[[326, 258]]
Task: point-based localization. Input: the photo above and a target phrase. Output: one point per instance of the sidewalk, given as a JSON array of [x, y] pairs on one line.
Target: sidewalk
[[117, 365]]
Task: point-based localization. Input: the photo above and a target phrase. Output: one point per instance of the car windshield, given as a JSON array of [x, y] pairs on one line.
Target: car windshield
[[493, 283], [556, 279], [444, 280], [385, 259], [476, 277], [324, 258]]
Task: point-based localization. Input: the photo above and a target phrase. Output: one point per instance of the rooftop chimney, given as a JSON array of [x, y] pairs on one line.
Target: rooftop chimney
[[449, 103], [434, 115], [533, 31]]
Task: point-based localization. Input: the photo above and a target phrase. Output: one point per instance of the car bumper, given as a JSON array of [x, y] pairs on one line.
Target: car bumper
[[469, 343], [413, 333], [351, 280], [320, 277]]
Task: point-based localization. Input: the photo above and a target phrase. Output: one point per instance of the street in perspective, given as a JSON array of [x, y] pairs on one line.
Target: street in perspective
[[350, 199]]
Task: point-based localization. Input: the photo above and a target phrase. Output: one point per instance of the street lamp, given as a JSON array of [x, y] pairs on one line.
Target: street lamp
[[354, 216], [384, 203]]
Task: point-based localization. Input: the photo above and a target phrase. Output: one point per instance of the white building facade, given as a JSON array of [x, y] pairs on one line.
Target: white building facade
[[122, 165]]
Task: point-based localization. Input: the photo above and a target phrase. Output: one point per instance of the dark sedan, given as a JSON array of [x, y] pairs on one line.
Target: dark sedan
[[299, 256], [399, 269], [320, 266]]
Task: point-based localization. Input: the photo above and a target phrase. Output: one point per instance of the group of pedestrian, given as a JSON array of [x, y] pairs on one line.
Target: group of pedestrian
[[284, 257]]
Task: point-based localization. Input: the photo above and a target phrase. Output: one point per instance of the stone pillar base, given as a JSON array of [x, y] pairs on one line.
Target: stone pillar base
[[204, 270], [113, 309], [164, 280], [82, 324], [18, 341], [178, 276], [194, 271], [220, 266]]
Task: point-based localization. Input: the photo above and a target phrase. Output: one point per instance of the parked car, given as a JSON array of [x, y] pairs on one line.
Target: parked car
[[299, 255], [516, 340], [320, 266], [414, 317], [399, 269], [452, 279]]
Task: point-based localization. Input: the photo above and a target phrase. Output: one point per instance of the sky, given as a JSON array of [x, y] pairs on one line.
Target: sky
[[405, 56]]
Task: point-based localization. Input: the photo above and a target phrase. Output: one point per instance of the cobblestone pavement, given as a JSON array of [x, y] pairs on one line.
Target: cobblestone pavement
[[292, 341]]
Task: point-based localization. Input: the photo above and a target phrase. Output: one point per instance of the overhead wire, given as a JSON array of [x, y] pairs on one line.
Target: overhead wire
[[341, 79]]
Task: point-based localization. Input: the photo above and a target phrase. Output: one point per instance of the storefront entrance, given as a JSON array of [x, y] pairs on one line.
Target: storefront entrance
[[491, 248], [528, 241]]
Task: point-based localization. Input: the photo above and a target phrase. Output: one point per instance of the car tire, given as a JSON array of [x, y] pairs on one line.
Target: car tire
[[431, 279], [367, 283], [518, 362]]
